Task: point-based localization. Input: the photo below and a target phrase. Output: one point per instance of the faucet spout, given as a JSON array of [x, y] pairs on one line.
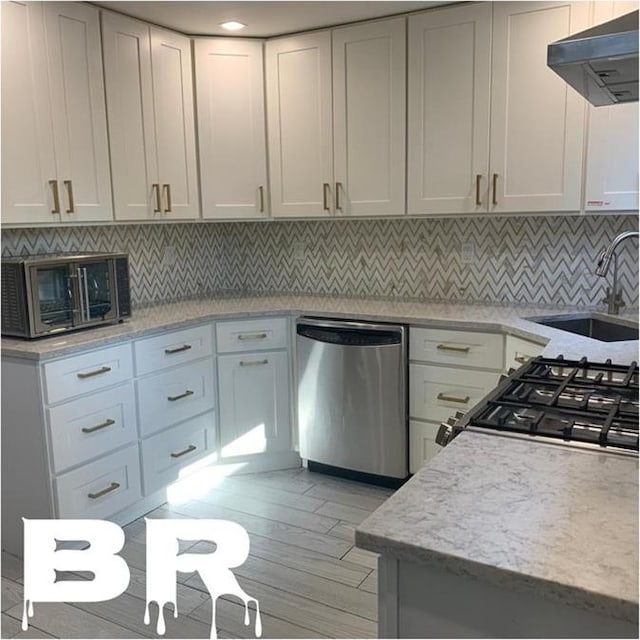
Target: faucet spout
[[614, 297]]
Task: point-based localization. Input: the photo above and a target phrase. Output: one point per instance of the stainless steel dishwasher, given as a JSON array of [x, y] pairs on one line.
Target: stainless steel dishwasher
[[352, 398]]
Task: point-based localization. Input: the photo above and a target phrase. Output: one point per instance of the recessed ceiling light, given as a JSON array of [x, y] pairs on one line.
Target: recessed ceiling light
[[232, 25]]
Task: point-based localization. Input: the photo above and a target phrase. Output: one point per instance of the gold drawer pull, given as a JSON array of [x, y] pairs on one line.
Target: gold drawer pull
[[453, 347], [252, 363], [478, 200], [184, 347], [56, 196], [69, 186], [252, 336], [494, 199], [522, 358], [186, 394], [447, 398], [156, 189], [112, 487], [107, 423], [96, 372], [189, 449]]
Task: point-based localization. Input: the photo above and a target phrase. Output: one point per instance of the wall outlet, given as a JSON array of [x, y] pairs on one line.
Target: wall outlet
[[468, 252], [169, 257], [299, 250]]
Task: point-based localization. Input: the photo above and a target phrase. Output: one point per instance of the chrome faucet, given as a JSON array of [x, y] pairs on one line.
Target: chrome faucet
[[613, 298]]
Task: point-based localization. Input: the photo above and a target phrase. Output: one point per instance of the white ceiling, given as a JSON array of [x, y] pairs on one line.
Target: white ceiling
[[263, 19]]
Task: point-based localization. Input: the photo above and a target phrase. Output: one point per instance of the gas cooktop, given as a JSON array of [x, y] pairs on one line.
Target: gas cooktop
[[564, 401]]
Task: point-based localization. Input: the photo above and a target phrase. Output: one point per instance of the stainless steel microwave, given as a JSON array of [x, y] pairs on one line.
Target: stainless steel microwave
[[47, 294]]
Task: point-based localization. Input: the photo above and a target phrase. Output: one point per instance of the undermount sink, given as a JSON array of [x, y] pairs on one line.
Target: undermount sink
[[592, 325]]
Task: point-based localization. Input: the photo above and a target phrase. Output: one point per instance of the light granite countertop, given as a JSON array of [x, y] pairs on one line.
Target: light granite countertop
[[556, 520], [481, 317]]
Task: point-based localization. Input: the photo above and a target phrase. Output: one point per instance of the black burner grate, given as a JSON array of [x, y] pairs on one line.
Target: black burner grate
[[572, 400]]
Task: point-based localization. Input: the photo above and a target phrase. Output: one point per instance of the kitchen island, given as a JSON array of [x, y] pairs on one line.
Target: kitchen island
[[504, 537]]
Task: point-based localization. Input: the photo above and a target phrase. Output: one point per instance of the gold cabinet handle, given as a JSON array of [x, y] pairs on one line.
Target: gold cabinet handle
[[522, 358], [252, 336], [96, 427], [112, 487], [252, 363], [69, 186], [95, 372], [453, 347], [494, 199], [167, 189], [325, 196], [56, 196], [186, 394], [156, 188], [448, 398], [184, 347], [478, 179], [179, 454], [261, 198], [338, 187]]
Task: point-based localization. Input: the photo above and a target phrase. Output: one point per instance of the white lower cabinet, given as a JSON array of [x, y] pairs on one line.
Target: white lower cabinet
[[519, 350], [255, 407], [449, 371], [166, 398], [422, 443], [101, 488], [166, 455], [91, 426]]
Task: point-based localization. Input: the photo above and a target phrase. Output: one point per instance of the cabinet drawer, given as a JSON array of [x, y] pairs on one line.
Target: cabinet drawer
[[101, 488], [166, 453], [252, 335], [435, 393], [87, 372], [422, 443], [175, 347], [92, 426], [465, 348], [519, 350], [175, 395]]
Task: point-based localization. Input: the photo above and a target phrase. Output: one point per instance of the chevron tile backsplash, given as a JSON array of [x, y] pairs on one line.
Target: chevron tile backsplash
[[537, 260]]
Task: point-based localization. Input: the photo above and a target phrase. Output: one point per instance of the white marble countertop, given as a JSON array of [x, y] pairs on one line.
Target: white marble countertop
[[558, 520], [483, 317]]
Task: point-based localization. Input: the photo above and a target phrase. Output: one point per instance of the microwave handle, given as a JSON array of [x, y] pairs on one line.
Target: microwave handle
[[82, 291]]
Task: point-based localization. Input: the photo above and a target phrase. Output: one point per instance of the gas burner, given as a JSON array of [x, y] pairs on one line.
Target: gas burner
[[564, 401]]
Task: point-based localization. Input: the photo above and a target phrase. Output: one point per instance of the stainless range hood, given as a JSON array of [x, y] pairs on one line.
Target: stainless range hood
[[600, 63]]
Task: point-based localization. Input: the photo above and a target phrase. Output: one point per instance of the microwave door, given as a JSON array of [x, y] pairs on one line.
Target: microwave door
[[96, 284], [54, 295]]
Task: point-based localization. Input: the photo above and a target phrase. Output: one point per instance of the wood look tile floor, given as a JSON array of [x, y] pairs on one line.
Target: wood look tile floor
[[310, 579]]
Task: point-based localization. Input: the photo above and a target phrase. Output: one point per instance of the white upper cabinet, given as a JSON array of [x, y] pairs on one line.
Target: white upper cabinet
[[299, 116], [55, 163], [537, 120], [612, 146], [149, 89], [448, 111], [336, 121], [231, 127], [491, 127], [369, 118]]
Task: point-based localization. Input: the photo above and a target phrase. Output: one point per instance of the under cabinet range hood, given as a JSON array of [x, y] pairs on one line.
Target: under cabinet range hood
[[600, 63]]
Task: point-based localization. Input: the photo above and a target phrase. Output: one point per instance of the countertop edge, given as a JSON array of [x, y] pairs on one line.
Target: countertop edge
[[566, 594]]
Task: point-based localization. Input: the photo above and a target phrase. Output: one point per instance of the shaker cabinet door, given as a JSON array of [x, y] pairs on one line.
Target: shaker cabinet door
[[231, 127], [298, 76], [28, 156], [369, 118], [129, 89], [55, 163], [612, 142], [537, 119], [174, 120], [255, 413], [78, 111], [448, 110]]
